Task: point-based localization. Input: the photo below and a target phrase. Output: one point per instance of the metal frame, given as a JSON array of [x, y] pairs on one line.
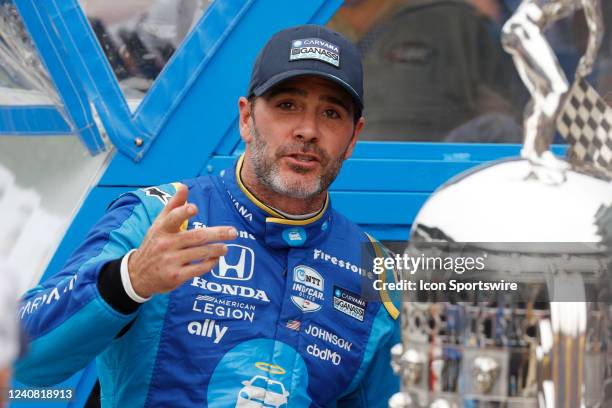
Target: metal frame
[[32, 120], [76, 105]]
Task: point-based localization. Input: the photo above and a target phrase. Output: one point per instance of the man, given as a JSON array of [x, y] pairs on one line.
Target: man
[[539, 68], [273, 317]]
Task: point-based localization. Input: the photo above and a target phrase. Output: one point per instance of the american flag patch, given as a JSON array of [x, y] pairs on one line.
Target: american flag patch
[[206, 298], [294, 325]]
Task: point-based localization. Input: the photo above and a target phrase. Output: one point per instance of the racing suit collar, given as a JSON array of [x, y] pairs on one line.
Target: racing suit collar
[[265, 222]]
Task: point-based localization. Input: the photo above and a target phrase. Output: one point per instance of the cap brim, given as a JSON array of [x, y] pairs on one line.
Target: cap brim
[[277, 79]]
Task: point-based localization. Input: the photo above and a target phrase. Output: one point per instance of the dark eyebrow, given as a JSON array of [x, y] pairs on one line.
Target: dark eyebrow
[[284, 89], [337, 101], [302, 92]]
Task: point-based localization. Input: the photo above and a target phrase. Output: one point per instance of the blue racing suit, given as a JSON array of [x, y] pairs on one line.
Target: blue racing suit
[[280, 321]]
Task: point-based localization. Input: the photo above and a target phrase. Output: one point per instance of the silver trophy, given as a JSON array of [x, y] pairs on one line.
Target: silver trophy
[[542, 222], [539, 68]]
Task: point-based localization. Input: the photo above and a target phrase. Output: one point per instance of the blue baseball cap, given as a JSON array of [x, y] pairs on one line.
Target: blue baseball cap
[[309, 50]]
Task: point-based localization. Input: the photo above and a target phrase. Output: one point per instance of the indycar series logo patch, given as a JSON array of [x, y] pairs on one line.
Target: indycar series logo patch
[[308, 286]]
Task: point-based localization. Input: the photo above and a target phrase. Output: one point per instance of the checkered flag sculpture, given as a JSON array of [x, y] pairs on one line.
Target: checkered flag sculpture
[[586, 123]]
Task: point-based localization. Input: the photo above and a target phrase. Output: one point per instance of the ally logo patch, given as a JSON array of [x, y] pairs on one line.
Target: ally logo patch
[[315, 48]]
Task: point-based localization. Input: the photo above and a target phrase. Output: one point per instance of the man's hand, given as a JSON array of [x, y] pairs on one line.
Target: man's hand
[[168, 255]]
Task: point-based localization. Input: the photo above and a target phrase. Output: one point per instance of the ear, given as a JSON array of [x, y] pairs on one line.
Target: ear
[[244, 120], [358, 127]]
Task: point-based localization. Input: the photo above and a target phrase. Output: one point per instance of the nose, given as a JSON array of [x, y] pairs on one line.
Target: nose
[[307, 130]]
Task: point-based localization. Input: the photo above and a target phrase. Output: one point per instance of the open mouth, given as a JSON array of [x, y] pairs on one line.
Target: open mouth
[[304, 158]]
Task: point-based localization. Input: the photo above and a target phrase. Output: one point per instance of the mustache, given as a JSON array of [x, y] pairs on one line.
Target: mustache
[[297, 147]]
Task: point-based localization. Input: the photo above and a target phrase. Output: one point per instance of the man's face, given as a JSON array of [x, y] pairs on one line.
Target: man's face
[[298, 134]]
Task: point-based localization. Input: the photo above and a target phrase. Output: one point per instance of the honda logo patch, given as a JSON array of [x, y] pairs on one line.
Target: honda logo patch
[[237, 264]]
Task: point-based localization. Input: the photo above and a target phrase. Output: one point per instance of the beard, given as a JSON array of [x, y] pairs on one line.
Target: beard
[[267, 169]]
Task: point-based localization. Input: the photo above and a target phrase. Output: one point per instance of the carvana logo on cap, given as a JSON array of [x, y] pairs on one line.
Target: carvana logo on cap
[[315, 48], [295, 236]]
